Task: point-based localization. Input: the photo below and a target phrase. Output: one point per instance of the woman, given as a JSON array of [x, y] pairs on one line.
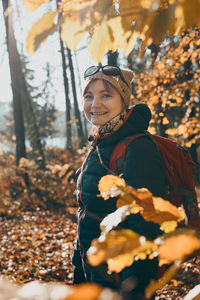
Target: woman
[[106, 96]]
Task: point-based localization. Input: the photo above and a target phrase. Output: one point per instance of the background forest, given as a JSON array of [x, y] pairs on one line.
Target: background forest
[[45, 47]]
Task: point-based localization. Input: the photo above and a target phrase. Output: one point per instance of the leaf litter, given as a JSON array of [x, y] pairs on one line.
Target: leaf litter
[[37, 246]]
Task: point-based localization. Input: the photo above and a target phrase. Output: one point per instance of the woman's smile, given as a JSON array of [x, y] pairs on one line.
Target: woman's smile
[[101, 103]]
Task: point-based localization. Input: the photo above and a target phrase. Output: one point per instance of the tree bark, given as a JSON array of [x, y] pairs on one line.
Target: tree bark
[[112, 58], [67, 100], [66, 89], [15, 84], [76, 108], [22, 97]]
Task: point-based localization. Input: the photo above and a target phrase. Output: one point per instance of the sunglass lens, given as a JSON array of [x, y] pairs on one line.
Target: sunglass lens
[[111, 71], [91, 70]]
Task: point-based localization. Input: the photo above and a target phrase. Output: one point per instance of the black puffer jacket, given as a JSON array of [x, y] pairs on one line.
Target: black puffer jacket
[[143, 167]]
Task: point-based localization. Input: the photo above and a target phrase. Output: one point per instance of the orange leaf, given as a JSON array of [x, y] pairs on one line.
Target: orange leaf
[[108, 186], [111, 244], [85, 291], [177, 247]]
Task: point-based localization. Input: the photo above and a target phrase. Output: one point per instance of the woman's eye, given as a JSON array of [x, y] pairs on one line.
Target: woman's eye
[[87, 97], [107, 96]]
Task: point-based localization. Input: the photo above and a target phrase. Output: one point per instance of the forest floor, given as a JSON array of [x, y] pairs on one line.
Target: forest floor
[[38, 246]]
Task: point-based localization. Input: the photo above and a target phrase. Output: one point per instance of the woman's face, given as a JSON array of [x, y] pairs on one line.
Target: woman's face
[[101, 103]]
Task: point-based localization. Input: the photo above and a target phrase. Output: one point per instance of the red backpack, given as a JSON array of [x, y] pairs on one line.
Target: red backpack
[[179, 168]]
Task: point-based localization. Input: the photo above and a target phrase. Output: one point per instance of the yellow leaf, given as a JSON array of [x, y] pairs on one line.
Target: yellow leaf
[[121, 32], [40, 31], [177, 247], [63, 170], [111, 244], [153, 209], [131, 43], [108, 186], [84, 291], [168, 226], [73, 32], [101, 42], [32, 5], [165, 121], [119, 262]]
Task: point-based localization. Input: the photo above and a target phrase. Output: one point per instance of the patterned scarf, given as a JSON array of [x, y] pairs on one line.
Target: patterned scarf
[[113, 125]]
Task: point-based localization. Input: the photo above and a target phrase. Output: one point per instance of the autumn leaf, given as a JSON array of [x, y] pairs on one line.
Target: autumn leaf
[[121, 33], [176, 246], [165, 121], [63, 170], [149, 20], [119, 262], [153, 209], [127, 196], [108, 186], [72, 32], [39, 32], [101, 41], [85, 291], [168, 226], [160, 211], [111, 244], [32, 5]]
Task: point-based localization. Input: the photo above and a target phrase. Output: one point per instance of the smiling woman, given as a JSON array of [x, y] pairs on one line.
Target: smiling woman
[[102, 102], [106, 97]]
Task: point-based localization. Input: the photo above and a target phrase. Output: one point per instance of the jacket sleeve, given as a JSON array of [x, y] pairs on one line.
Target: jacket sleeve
[[143, 167]]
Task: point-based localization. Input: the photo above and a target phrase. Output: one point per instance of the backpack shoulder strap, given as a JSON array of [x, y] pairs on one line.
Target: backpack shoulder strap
[[118, 155]]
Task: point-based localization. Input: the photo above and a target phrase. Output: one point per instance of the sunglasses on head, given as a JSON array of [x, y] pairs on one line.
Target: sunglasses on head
[[107, 70]]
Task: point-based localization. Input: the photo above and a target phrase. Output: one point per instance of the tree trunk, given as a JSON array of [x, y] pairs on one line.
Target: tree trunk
[[66, 89], [67, 100], [23, 98], [15, 84], [35, 138], [112, 58], [76, 108], [80, 87]]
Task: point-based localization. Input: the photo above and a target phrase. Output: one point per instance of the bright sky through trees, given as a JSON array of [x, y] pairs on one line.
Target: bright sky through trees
[[48, 53]]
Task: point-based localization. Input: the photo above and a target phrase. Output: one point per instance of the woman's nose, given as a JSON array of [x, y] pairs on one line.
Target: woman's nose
[[96, 101]]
